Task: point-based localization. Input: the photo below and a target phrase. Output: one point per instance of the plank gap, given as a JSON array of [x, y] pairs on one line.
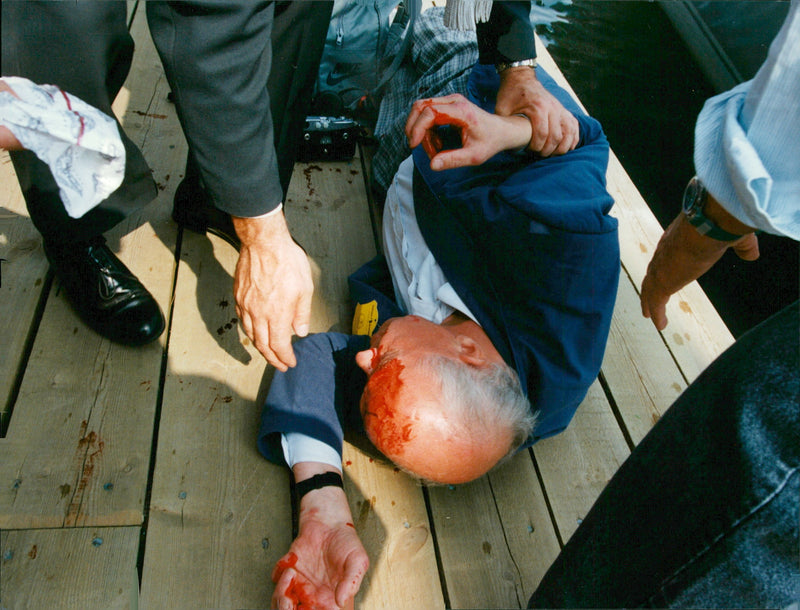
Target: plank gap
[[162, 376], [375, 211], [546, 496], [615, 410], [519, 572], [436, 549], [5, 415], [133, 6]]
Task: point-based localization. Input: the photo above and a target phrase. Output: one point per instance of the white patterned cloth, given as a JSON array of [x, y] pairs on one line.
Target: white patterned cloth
[[81, 145], [465, 14], [747, 140]]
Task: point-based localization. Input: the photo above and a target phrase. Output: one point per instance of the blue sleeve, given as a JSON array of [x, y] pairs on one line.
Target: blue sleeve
[[315, 397]]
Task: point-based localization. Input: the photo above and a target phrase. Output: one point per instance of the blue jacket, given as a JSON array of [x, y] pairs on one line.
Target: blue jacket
[[530, 248]]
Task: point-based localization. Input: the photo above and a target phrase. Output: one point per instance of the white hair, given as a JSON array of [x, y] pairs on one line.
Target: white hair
[[484, 397]]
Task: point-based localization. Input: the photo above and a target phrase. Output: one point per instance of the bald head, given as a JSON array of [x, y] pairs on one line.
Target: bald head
[[436, 405]]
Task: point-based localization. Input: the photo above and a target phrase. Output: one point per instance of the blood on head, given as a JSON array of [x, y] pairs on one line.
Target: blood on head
[[388, 428]]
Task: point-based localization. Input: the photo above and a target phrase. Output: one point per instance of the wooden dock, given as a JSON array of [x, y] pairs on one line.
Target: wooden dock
[[129, 477]]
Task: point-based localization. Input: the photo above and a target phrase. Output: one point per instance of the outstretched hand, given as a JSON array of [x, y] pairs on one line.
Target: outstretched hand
[[482, 134], [326, 562], [273, 287], [682, 256], [555, 129], [8, 140]]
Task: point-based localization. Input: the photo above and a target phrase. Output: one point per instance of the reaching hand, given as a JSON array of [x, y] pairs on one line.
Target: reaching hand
[[555, 129], [682, 256], [273, 287], [326, 562], [482, 134], [8, 140]]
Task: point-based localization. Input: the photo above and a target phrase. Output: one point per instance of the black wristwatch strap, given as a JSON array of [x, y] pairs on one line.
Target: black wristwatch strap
[[318, 481]]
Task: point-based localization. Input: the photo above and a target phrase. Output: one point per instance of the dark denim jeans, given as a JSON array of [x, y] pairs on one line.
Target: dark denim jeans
[[704, 513]]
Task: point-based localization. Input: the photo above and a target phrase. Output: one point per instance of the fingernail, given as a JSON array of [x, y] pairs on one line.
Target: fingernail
[[302, 330]]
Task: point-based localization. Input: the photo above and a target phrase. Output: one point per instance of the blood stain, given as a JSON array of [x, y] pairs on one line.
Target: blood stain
[[431, 142], [288, 562], [298, 593], [388, 431]]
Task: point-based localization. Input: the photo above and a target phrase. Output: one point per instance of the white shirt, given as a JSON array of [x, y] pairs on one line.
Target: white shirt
[[747, 140]]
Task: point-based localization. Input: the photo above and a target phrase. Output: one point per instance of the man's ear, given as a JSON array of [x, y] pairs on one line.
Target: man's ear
[[470, 352]]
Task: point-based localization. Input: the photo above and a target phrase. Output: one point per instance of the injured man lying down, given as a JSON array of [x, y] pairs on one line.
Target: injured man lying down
[[490, 308]]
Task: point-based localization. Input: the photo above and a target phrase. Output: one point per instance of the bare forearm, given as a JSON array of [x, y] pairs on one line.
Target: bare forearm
[[327, 504]]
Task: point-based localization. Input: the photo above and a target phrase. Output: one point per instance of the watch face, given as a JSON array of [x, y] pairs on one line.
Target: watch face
[[693, 198]]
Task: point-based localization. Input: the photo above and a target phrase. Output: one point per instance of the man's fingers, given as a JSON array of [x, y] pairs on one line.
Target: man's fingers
[[747, 248], [416, 131], [302, 316], [261, 341], [658, 314], [458, 157], [550, 144], [280, 343], [571, 136], [539, 133], [653, 305], [284, 579], [355, 569]]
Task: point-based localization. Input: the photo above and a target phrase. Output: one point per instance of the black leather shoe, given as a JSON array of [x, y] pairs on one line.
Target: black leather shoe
[[105, 294], [192, 209]]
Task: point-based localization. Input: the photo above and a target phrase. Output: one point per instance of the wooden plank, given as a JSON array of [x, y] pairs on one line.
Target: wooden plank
[[82, 424], [528, 528], [23, 268], [391, 519], [213, 495], [696, 334], [495, 536], [576, 464], [469, 530], [326, 208], [87, 568], [637, 368]]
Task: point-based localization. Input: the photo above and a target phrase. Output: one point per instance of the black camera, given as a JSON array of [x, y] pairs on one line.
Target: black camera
[[328, 138]]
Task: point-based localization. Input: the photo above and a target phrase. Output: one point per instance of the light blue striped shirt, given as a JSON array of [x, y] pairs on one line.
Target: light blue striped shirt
[[747, 140]]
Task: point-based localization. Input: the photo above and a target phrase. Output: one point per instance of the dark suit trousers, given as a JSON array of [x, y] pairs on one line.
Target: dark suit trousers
[[243, 75], [85, 49], [234, 110]]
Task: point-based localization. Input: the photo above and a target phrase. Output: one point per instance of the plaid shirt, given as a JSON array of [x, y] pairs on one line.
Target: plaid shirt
[[439, 64]]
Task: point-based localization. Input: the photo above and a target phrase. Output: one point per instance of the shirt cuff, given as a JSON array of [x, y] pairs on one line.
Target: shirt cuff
[[299, 447], [272, 212]]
